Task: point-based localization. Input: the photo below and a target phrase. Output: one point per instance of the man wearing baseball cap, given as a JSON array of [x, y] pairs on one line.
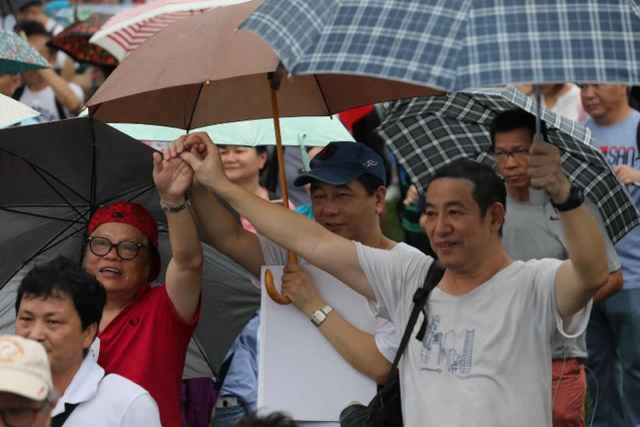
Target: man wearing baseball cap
[[347, 183], [26, 389], [145, 330]]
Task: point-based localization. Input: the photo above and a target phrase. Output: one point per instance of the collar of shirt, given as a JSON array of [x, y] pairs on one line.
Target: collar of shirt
[[83, 387]]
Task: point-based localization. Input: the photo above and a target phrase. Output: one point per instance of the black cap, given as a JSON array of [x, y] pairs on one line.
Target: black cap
[[341, 162], [22, 4]]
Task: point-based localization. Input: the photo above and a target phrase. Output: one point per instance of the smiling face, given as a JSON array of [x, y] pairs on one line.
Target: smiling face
[[347, 210], [55, 323], [458, 232], [118, 275], [242, 164]]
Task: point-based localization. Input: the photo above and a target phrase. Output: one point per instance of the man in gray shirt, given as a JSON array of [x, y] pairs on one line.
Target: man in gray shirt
[[532, 230]]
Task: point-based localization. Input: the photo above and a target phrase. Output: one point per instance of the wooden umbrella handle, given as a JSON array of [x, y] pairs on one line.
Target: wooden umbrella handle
[[292, 258]]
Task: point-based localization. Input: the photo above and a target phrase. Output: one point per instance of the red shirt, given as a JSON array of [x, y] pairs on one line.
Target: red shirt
[[147, 343]]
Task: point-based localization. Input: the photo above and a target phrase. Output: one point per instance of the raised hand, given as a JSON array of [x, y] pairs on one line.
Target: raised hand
[[627, 174], [172, 178], [298, 286], [199, 152], [546, 173]]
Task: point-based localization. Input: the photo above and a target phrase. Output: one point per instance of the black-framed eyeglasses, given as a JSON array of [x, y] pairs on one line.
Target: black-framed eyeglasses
[[517, 154], [20, 417], [126, 249]]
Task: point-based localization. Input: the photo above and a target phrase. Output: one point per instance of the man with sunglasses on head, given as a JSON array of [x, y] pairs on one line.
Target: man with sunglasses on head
[[145, 330], [26, 388], [533, 230]]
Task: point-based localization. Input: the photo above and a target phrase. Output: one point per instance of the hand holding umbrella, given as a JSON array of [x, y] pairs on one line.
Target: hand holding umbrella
[[545, 171]]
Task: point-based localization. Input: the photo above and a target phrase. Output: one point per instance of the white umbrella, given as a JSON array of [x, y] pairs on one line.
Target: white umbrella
[[12, 111], [127, 30]]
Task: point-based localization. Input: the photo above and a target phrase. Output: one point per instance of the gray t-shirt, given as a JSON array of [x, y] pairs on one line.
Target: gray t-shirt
[[485, 359], [386, 338], [533, 230]]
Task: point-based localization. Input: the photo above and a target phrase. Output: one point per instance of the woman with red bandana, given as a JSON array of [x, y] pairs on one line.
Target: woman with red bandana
[[145, 330]]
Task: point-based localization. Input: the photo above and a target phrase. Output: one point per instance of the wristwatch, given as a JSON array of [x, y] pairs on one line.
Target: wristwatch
[[575, 199], [319, 316], [174, 208]]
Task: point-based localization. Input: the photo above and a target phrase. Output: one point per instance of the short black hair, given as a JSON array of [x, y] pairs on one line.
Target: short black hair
[[63, 277], [488, 187], [277, 419], [509, 120], [32, 28]]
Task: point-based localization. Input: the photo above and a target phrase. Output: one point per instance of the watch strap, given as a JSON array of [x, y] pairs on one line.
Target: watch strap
[[575, 199]]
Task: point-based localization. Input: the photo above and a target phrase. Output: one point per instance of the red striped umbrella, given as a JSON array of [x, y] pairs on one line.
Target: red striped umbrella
[[127, 30]]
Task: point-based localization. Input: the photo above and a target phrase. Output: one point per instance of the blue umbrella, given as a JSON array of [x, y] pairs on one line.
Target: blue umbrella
[[17, 56], [456, 44]]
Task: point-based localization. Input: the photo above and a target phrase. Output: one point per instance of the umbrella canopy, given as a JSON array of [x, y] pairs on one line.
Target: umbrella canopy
[[456, 44], [12, 111], [428, 133], [66, 169], [74, 41], [296, 131], [17, 56], [210, 80], [127, 30]]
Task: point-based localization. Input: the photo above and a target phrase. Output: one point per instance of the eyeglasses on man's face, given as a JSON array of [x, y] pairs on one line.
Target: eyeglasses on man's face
[[126, 249], [520, 153]]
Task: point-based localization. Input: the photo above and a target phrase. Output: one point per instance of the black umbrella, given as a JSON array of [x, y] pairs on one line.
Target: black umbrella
[[55, 175]]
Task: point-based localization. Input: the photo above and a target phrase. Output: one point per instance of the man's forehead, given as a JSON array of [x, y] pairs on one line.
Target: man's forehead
[[520, 136], [449, 190]]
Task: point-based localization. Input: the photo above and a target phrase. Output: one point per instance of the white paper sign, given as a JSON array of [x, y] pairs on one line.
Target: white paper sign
[[300, 373]]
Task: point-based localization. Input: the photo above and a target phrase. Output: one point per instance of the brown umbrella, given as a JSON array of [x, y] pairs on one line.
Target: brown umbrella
[[203, 70]]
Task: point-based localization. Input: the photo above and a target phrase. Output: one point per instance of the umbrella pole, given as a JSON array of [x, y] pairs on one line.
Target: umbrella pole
[[291, 257], [538, 92]]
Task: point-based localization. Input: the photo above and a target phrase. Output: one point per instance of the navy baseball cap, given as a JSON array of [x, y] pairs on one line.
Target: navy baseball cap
[[341, 162]]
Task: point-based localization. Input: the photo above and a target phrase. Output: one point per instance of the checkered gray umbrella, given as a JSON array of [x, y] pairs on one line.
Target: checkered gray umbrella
[[456, 44], [427, 133]]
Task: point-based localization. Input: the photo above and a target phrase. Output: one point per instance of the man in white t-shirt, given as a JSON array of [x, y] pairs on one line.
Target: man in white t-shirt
[[60, 305], [485, 357], [44, 90]]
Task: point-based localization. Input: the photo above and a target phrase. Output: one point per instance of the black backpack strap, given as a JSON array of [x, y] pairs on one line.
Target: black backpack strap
[[638, 140], [17, 94], [60, 109], [419, 300]]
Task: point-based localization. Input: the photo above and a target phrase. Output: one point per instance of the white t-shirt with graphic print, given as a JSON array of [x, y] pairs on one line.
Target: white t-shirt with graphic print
[[485, 359]]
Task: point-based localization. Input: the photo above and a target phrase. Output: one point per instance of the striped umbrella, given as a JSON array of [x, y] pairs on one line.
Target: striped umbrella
[[127, 30]]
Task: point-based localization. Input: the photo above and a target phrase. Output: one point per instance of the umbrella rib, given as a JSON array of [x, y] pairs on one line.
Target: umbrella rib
[[195, 105], [55, 190], [73, 221], [47, 246], [128, 192], [324, 98], [51, 176]]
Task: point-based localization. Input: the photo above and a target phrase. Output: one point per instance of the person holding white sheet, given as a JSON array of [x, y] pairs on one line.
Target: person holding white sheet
[[347, 192], [486, 356]]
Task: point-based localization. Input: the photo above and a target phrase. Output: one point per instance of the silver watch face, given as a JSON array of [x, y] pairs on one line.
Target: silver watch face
[[318, 317]]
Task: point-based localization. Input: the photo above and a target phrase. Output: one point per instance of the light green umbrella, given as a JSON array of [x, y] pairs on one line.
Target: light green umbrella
[[299, 131]]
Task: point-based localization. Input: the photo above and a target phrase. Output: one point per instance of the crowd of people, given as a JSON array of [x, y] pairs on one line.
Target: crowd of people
[[536, 321]]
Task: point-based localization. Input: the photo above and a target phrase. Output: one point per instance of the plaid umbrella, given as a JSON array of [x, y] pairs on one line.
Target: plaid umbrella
[[17, 56], [456, 44], [428, 133], [74, 41]]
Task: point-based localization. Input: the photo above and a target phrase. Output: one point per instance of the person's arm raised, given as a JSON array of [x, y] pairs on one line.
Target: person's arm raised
[[308, 239], [184, 272], [580, 277], [217, 225]]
